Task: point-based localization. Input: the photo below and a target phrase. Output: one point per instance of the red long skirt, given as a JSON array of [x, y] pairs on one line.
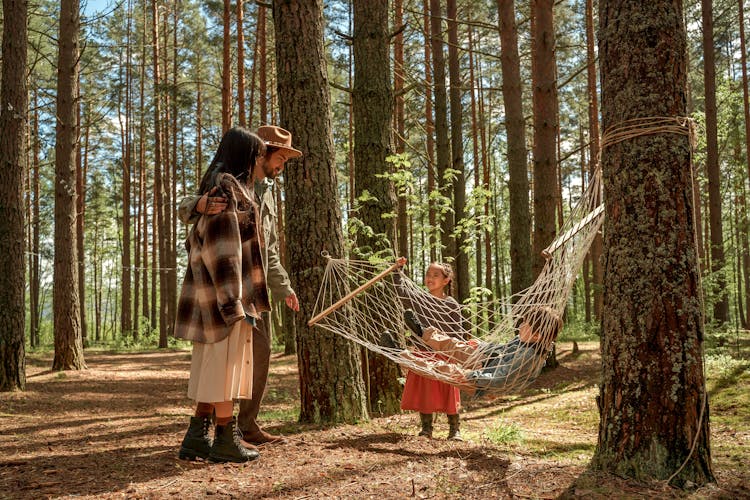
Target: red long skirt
[[426, 395]]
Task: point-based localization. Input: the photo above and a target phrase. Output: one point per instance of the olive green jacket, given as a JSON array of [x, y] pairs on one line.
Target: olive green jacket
[[276, 276]]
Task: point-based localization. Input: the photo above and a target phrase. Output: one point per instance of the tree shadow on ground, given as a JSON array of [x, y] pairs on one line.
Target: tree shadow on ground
[[593, 483], [89, 473], [479, 459]]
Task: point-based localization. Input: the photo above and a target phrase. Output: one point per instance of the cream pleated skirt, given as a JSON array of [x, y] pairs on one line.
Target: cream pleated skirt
[[223, 371]]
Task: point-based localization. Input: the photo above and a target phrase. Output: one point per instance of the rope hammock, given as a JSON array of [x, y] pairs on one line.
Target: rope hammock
[[376, 305]]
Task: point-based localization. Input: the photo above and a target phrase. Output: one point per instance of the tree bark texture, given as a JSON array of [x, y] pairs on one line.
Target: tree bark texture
[[593, 96], [66, 306], [13, 116], [429, 127], [34, 273], [447, 242], [746, 116], [240, 65], [745, 90], [126, 317], [479, 167], [652, 400], [288, 328], [170, 191], [545, 129], [399, 120], [159, 231], [262, 63], [457, 152], [518, 172], [226, 70], [720, 295], [143, 189], [81, 170], [331, 386], [372, 106]]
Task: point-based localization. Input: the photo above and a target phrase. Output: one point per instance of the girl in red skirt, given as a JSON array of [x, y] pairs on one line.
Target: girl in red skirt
[[428, 396]]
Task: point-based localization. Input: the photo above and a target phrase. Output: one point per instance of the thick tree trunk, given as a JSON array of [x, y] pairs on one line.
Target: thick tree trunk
[[67, 312], [372, 111], [518, 172], [746, 116], [262, 76], [545, 129], [402, 224], [372, 105], [595, 253], [331, 386], [226, 70], [721, 299], [429, 128], [447, 242], [240, 65], [457, 152], [13, 116], [652, 400]]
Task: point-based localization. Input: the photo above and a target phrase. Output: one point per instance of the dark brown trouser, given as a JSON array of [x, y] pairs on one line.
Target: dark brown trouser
[[247, 418]]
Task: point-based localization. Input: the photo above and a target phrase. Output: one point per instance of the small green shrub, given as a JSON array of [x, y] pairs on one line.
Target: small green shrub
[[504, 434]]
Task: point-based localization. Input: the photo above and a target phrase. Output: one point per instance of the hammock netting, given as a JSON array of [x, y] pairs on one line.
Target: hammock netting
[[370, 302]]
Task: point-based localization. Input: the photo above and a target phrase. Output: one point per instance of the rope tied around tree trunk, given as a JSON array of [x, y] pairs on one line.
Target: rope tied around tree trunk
[[681, 125], [649, 125]]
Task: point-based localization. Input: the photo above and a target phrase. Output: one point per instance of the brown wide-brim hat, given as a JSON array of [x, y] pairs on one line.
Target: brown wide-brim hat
[[279, 138]]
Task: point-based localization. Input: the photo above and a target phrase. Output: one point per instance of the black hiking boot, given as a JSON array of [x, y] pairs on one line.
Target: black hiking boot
[[426, 419], [197, 440], [228, 446], [388, 340], [413, 323], [454, 432]]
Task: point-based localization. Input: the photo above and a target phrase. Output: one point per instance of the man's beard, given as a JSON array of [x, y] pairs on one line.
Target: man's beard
[[269, 172]]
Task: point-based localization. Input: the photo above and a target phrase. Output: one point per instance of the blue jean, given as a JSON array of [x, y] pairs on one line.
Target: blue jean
[[514, 360]]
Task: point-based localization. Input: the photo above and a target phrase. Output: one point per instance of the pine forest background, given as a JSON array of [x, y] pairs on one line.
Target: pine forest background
[[151, 95]]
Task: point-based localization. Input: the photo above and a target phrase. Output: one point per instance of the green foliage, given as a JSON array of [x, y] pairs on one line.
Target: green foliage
[[727, 369], [362, 240], [502, 433], [144, 337], [725, 366], [579, 330], [478, 295], [199, 37]]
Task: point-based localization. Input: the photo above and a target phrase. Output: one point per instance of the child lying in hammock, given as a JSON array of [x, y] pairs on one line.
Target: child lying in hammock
[[491, 365]]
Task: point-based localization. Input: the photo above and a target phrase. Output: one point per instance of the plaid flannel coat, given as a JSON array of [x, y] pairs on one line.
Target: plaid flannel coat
[[224, 279]]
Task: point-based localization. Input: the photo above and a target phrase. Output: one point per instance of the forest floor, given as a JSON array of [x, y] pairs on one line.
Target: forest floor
[[113, 431]]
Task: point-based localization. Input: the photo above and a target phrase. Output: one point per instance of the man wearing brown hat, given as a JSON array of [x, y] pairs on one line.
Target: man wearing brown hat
[[278, 150]]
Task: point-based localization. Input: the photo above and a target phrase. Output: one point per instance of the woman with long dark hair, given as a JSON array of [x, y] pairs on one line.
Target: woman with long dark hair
[[223, 294]]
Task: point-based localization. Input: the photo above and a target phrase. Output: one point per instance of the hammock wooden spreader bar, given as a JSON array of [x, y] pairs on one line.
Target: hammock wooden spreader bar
[[547, 252], [364, 286]]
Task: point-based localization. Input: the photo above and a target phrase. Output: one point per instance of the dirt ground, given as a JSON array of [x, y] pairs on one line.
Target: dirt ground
[[113, 431]]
